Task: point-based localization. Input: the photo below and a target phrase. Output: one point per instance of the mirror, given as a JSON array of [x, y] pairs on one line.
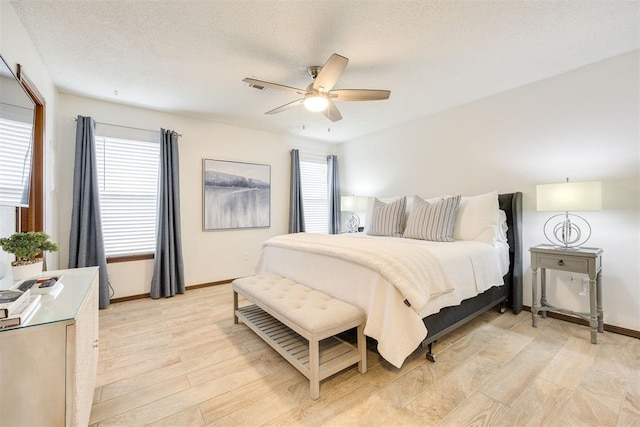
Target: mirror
[[17, 114]]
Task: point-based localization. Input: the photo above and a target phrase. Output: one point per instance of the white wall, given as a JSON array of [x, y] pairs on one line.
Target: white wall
[[16, 48], [583, 124], [208, 256]]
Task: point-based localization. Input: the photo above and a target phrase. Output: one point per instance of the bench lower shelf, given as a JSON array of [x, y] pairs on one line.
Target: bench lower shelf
[[334, 353]]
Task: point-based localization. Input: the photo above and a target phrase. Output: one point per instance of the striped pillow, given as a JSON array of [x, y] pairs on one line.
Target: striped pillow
[[432, 221], [387, 219]]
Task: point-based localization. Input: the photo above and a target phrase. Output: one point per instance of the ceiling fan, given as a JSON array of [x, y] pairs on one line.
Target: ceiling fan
[[319, 96]]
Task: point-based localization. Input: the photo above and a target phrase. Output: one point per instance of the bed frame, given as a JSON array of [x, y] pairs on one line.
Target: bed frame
[[507, 295]]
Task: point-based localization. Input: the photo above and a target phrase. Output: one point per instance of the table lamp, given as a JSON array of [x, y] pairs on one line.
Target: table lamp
[[563, 229], [353, 204]]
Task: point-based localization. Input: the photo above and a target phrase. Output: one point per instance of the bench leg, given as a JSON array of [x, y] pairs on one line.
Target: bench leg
[[235, 307], [362, 349], [314, 368]]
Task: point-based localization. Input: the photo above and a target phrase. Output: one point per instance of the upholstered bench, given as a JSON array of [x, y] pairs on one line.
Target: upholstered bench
[[294, 319]]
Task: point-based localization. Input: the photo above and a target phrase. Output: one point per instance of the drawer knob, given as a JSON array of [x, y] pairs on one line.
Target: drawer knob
[[561, 262]]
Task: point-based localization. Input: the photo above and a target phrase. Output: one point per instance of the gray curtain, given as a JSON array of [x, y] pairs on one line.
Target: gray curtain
[[296, 212], [333, 194], [168, 269], [86, 244]]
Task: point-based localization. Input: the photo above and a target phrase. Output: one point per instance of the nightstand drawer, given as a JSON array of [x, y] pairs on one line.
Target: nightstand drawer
[[575, 265]]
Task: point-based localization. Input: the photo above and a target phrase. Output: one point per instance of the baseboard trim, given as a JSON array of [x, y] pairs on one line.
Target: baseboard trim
[[610, 328], [198, 286], [209, 284], [560, 316]]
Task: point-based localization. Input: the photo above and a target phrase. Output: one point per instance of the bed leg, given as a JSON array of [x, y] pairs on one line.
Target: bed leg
[[503, 307], [431, 357]]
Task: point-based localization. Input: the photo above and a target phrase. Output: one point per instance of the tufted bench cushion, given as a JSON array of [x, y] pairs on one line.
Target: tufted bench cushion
[[315, 312], [281, 305]]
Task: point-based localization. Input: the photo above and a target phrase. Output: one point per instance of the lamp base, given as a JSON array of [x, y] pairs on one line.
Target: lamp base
[[353, 223], [567, 234]]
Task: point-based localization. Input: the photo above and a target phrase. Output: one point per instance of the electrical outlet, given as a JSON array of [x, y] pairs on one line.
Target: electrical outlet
[[245, 256], [585, 287]]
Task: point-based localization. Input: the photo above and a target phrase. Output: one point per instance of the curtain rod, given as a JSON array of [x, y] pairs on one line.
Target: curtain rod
[[128, 127]]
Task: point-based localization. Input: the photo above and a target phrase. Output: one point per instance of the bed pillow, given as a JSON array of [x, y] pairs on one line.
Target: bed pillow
[[387, 219], [503, 228], [477, 218], [387, 200], [432, 221]]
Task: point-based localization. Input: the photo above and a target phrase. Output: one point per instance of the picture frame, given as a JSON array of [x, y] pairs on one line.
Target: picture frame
[[235, 195]]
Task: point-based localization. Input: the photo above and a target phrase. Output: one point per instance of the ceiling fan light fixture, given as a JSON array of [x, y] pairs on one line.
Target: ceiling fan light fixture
[[316, 102]]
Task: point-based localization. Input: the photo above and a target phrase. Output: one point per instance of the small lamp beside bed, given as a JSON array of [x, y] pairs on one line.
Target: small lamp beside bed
[[353, 204], [568, 196]]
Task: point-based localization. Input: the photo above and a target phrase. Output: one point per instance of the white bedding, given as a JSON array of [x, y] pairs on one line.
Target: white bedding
[[466, 268]]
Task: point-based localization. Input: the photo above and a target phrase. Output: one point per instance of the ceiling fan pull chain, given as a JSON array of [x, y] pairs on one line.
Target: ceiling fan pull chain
[[304, 127]]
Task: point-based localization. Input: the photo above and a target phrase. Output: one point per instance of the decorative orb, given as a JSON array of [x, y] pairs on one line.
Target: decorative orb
[[353, 223], [567, 230]]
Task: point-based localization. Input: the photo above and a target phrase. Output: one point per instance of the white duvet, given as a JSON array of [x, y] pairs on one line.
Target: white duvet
[[378, 274]]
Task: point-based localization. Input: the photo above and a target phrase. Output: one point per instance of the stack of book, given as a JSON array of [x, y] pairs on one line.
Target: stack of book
[[16, 307]]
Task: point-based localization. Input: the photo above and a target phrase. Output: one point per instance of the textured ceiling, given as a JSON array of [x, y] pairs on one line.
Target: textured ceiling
[[189, 57]]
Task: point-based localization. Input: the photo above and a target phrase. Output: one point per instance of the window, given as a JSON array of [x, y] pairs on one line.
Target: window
[[313, 174], [15, 162], [128, 184]]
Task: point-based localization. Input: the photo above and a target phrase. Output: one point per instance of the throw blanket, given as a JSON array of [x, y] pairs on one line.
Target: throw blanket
[[412, 269]]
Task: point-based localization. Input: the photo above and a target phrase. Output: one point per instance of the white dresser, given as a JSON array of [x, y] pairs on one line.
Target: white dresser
[[48, 366]]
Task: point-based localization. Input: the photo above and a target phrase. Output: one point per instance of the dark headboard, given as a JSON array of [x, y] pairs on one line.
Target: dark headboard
[[511, 203]]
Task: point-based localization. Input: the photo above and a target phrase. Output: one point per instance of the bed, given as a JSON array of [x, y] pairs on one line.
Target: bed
[[507, 296], [387, 275]]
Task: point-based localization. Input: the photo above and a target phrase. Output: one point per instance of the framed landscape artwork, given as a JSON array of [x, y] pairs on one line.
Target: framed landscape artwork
[[235, 195]]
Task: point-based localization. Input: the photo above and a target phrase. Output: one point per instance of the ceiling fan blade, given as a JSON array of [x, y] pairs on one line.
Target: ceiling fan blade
[[332, 113], [261, 84], [330, 73], [359, 94], [286, 106]]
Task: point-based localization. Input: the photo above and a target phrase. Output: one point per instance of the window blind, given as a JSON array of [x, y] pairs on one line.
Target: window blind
[[15, 162], [128, 185], [313, 174]]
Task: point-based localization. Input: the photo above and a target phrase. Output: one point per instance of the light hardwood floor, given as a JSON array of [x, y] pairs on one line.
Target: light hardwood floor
[[182, 362]]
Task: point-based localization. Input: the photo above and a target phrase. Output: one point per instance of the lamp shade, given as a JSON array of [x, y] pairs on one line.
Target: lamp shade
[[353, 204], [569, 196]]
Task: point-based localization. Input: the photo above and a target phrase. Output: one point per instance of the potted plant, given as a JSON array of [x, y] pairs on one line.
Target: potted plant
[[26, 247]]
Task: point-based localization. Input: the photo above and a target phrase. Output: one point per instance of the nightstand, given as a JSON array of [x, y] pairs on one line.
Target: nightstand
[[583, 260]]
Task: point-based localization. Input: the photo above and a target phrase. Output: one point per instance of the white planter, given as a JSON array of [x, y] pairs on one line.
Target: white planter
[[26, 271]]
